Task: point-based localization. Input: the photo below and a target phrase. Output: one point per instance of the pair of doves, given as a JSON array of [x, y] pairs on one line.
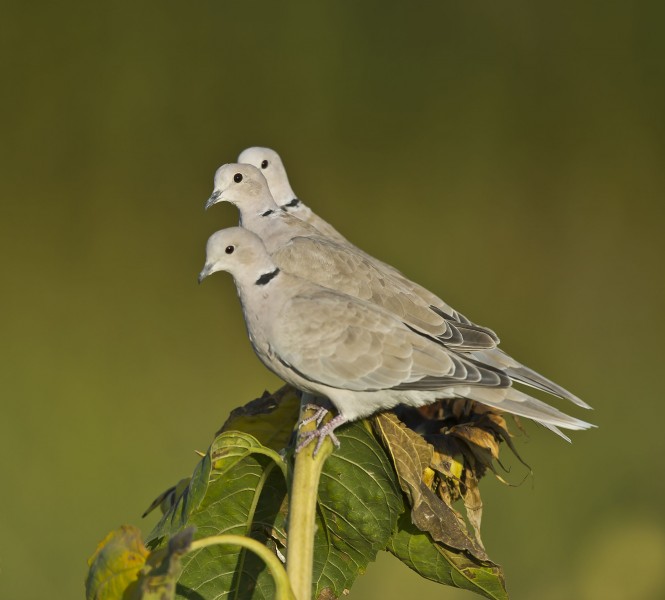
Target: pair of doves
[[335, 322]]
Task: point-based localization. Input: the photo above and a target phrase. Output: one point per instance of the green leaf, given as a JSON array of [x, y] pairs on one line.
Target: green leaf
[[115, 565], [436, 562], [359, 504], [168, 498], [270, 419], [237, 488]]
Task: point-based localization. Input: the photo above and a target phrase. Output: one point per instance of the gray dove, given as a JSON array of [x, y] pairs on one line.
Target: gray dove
[[363, 358]]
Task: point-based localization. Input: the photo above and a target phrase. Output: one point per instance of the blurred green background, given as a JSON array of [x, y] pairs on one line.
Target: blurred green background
[[509, 156]]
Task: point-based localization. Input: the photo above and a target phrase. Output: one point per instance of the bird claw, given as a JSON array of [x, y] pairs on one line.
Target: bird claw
[[318, 416], [321, 433]]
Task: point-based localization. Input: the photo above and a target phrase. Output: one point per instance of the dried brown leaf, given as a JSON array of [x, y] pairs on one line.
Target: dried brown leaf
[[473, 503], [477, 437], [411, 455]]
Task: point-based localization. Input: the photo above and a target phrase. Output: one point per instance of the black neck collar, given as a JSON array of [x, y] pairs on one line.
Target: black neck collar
[[267, 277]]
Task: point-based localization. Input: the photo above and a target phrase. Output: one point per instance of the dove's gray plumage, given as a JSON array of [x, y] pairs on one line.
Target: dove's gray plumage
[[360, 356], [273, 169]]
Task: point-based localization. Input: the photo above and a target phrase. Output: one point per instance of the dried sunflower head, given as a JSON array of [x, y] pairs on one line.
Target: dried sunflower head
[[466, 438]]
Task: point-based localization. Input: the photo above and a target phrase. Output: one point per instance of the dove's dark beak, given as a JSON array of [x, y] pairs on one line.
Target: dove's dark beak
[[214, 199]]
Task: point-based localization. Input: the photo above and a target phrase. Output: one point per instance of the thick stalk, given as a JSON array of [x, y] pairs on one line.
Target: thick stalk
[[302, 512]]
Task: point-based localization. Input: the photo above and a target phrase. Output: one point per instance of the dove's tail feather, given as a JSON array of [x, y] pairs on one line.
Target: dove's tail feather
[[532, 378], [518, 372], [556, 430], [518, 403]]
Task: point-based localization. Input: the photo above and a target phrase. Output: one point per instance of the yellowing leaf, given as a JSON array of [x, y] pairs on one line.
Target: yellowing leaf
[[115, 565]]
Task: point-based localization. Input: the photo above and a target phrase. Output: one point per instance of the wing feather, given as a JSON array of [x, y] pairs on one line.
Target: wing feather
[[345, 343], [341, 269]]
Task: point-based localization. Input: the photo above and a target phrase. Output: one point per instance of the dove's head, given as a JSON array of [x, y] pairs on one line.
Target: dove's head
[[242, 185], [237, 251], [273, 169]]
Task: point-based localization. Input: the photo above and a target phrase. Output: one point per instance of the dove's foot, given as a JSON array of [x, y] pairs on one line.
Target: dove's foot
[[318, 416], [321, 433]]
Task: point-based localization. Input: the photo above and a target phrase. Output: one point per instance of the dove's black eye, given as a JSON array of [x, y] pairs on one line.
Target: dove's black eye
[[237, 178], [264, 164], [229, 249]]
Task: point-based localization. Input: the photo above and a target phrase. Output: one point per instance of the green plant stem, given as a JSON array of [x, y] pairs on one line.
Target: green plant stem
[[283, 588], [302, 513]]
